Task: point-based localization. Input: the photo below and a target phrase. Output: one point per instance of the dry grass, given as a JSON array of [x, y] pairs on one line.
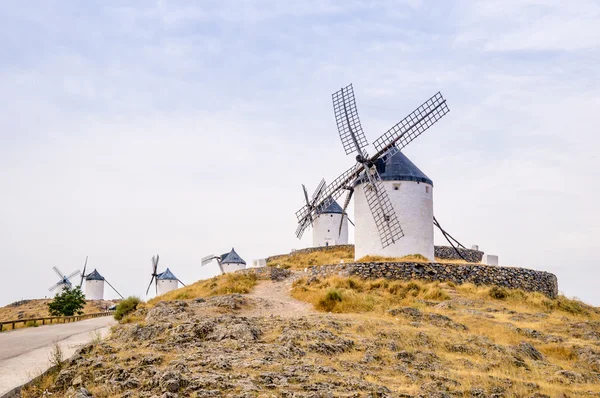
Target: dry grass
[[352, 294], [344, 295], [222, 284], [301, 260]]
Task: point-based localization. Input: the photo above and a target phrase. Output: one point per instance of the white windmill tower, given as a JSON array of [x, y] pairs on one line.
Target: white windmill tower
[[330, 225], [165, 281], [94, 284], [228, 262], [389, 186], [64, 282]]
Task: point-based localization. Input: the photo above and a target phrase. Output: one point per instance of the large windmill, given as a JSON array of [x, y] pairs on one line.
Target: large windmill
[[376, 215], [330, 226], [94, 284], [64, 282], [164, 281]]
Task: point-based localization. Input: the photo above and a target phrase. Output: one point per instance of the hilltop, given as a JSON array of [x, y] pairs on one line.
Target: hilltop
[[38, 308], [238, 335]]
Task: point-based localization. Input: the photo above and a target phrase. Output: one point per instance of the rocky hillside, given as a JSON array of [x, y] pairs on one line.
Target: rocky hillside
[[343, 337]]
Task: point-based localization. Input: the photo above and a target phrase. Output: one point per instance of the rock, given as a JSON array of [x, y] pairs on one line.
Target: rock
[[77, 381], [529, 351], [82, 393], [65, 378], [570, 375]]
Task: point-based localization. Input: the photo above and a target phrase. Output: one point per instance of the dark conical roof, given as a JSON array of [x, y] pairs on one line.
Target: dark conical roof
[[398, 168], [94, 276], [232, 258], [167, 275], [333, 207]]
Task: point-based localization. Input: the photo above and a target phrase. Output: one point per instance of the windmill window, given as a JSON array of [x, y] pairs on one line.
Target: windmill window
[[396, 187], [427, 189], [331, 215]]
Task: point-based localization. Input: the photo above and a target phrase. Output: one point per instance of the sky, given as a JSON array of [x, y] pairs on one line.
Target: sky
[[185, 128]]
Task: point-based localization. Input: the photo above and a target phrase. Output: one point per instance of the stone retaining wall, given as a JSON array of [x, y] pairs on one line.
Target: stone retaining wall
[[448, 253], [478, 274], [272, 273]]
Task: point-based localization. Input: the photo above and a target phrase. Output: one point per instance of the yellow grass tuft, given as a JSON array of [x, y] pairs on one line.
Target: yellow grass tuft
[[222, 284]]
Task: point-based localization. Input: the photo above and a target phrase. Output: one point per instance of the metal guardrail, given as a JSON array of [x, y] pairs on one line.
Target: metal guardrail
[[53, 319]]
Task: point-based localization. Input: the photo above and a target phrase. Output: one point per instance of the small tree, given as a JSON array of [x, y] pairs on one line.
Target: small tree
[[67, 303]]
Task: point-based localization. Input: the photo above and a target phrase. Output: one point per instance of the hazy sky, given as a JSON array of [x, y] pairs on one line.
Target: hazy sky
[[186, 128]]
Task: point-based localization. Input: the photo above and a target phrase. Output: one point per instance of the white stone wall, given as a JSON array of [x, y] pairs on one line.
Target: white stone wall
[[413, 203], [94, 290], [231, 267], [166, 285], [325, 230]]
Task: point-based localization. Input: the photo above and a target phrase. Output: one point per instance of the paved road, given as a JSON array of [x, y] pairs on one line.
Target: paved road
[[24, 353]]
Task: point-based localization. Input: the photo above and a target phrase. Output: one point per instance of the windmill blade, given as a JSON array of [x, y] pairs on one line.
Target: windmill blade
[[331, 192], [68, 278], [412, 126], [302, 227], [318, 190], [305, 195], [154, 264], [346, 203], [83, 273], [308, 203], [113, 288], [381, 208], [181, 282], [151, 280], [347, 121], [350, 221], [207, 259], [58, 272], [53, 287]]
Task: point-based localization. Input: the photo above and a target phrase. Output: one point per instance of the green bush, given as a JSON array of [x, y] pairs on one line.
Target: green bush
[[499, 293], [126, 306]]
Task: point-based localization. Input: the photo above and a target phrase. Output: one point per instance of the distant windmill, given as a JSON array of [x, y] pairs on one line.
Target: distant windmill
[[330, 223], [164, 281], [228, 262], [63, 282], [94, 284]]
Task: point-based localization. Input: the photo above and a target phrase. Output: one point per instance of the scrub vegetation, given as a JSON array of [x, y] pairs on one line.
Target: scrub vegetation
[[223, 284]]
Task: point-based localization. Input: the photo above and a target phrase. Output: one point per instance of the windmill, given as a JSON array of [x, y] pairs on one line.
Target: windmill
[[364, 178], [164, 281], [94, 284], [63, 282], [228, 262], [325, 225]]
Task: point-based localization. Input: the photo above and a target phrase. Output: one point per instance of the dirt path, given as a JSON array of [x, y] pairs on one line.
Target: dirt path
[[273, 298]]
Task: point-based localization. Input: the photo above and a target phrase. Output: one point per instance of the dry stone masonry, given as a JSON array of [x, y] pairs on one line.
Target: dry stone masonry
[[478, 274], [448, 253], [272, 273]]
